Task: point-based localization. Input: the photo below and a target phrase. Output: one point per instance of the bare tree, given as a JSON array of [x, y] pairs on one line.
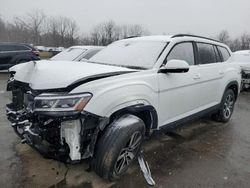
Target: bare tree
[[224, 37], [245, 41], [33, 21], [2, 29], [235, 45], [72, 32]]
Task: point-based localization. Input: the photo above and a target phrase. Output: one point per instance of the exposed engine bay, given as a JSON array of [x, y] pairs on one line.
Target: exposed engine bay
[[57, 132]]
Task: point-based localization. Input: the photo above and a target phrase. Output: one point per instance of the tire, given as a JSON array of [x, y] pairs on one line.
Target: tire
[[226, 107], [118, 147]]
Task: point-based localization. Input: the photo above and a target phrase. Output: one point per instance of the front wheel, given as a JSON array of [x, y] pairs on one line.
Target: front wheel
[[118, 147], [226, 108]]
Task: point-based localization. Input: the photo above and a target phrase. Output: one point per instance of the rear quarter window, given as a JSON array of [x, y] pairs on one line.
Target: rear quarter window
[[224, 53], [21, 48]]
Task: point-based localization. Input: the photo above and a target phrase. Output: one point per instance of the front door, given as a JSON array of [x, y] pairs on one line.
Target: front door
[[179, 92]]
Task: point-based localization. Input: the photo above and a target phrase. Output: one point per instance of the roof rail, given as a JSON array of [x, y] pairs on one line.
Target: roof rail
[[188, 35], [129, 37]]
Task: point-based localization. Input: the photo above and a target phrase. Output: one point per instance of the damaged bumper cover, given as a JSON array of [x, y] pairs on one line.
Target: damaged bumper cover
[[67, 138], [50, 124]]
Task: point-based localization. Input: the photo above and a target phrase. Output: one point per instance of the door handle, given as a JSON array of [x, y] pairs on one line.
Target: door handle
[[221, 72], [197, 76]]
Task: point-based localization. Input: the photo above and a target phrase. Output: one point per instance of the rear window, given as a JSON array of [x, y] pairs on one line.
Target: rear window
[[69, 54], [90, 54], [224, 52], [206, 53]]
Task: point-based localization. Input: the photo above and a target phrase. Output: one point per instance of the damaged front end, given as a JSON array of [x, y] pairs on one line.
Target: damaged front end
[[54, 122], [246, 79]]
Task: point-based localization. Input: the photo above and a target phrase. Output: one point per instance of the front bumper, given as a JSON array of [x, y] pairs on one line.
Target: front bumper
[[68, 139]]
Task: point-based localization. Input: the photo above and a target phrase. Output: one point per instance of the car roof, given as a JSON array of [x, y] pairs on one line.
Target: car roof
[[179, 37], [14, 43]]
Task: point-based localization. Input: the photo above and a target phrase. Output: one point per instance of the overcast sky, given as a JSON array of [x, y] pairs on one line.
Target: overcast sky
[[203, 17]]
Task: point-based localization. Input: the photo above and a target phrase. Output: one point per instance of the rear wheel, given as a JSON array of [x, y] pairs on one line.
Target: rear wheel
[[226, 108], [118, 147]]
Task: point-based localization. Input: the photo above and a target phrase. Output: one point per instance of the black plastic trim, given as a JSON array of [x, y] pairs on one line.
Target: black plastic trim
[[185, 120]]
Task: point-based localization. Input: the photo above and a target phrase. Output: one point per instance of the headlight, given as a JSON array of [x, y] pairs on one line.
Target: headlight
[[61, 103]]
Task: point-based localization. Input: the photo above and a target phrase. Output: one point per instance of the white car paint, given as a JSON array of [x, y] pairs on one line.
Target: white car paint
[[46, 74], [242, 58]]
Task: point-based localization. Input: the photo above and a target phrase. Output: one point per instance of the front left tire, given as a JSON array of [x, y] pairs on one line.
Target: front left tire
[[118, 147]]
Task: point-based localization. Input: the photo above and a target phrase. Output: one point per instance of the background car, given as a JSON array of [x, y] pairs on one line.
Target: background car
[[243, 58], [14, 53], [77, 53]]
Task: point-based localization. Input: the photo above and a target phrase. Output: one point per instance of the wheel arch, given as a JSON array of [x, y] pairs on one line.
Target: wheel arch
[[234, 86], [147, 113]]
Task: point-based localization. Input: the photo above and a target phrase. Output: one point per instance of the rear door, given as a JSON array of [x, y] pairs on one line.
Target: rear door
[[211, 74]]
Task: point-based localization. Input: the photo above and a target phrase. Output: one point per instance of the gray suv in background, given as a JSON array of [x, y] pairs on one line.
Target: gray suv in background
[[14, 53]]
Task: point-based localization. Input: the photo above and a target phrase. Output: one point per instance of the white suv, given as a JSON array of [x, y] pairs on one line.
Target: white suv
[[104, 108]]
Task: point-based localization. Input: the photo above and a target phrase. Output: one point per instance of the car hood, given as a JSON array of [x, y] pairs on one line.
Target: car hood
[[46, 74]]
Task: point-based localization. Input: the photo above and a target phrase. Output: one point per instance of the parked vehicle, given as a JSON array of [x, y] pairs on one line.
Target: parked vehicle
[[243, 59], [14, 53], [77, 53], [104, 108]]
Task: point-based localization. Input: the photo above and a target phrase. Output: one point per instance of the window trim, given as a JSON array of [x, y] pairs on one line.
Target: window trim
[[217, 55]]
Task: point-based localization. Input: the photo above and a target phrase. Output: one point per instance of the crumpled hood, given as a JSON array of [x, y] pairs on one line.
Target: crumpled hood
[[46, 74]]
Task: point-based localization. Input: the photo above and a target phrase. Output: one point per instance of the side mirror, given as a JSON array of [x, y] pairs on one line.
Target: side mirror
[[175, 66]]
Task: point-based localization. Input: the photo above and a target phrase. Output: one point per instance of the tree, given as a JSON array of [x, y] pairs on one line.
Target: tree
[[224, 37], [245, 41]]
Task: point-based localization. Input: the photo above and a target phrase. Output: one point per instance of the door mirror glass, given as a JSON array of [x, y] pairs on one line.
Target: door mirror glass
[[175, 66]]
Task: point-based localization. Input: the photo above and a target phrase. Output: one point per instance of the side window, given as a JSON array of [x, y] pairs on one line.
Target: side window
[[206, 53], [90, 54], [225, 54], [7, 48], [183, 51], [21, 48]]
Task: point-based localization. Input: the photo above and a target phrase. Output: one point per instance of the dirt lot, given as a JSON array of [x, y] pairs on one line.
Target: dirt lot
[[201, 154]]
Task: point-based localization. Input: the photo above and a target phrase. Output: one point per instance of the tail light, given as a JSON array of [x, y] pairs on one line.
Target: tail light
[[35, 52]]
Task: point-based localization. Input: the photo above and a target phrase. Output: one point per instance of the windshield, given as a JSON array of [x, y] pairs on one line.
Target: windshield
[[140, 54], [240, 58], [69, 54]]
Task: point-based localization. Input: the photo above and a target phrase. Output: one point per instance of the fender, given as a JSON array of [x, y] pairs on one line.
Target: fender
[[146, 112]]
